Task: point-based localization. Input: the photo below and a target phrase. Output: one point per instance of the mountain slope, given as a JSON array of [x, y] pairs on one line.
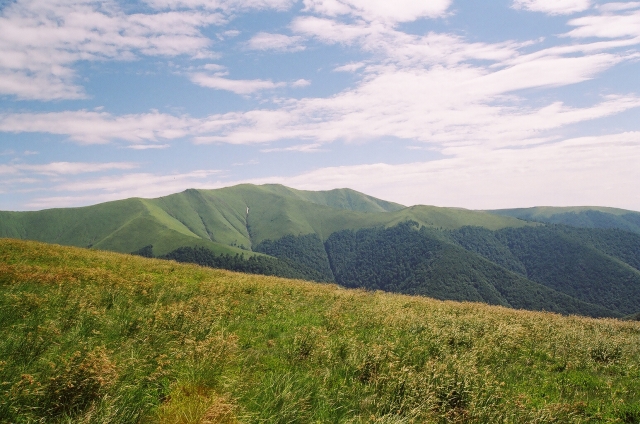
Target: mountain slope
[[404, 259], [122, 226], [583, 217], [218, 218], [593, 265], [358, 241]]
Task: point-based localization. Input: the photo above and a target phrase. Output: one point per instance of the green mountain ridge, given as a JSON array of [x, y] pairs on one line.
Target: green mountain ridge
[[218, 219], [498, 257], [583, 216]]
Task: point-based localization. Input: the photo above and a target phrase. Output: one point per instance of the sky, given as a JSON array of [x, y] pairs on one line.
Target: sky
[[460, 103]]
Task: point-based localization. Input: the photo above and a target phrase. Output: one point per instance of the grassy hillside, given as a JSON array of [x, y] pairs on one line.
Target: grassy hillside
[[584, 217], [97, 337], [121, 226], [276, 211], [218, 219]]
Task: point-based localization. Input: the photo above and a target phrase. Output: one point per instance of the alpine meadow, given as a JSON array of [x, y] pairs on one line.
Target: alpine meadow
[[92, 336], [319, 211]]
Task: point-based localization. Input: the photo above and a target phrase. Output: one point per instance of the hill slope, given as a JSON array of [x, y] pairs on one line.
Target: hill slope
[[582, 217], [358, 241], [98, 337], [218, 219], [121, 226], [405, 260], [600, 267]]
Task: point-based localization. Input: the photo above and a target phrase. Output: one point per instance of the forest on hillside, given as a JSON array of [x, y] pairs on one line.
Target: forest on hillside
[[569, 270]]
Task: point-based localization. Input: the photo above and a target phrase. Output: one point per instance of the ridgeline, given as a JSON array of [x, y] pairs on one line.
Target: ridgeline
[[582, 261]]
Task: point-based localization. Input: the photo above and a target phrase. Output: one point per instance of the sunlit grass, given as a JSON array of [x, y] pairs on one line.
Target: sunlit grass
[[100, 337]]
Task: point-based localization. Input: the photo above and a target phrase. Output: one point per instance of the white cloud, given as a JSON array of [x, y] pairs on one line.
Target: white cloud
[[553, 7], [401, 48], [41, 40], [443, 106], [91, 191], [64, 168], [584, 171], [301, 83], [349, 67], [277, 42], [615, 7], [380, 10], [607, 26], [227, 6], [213, 67], [148, 146], [548, 71], [439, 106], [303, 148], [236, 86], [435, 88], [331, 31], [86, 127], [249, 162]]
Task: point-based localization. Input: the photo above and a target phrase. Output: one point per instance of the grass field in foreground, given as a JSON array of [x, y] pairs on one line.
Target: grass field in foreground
[[97, 337]]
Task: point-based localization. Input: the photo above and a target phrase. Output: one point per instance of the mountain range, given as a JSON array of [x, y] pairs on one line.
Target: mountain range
[[568, 260]]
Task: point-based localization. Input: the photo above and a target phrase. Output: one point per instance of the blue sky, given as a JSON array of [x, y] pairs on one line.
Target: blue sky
[[509, 103]]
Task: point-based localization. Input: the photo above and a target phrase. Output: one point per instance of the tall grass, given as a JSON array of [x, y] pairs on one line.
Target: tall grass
[[99, 337]]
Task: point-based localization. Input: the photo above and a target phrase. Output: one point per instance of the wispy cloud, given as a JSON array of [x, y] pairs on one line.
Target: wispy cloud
[[277, 42], [301, 83], [227, 6], [553, 7], [597, 171], [392, 12], [391, 45], [607, 25], [64, 168], [41, 40], [250, 162], [88, 127], [349, 67], [304, 148], [90, 191], [615, 6], [234, 85], [148, 146]]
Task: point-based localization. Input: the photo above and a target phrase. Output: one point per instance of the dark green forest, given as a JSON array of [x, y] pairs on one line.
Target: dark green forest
[[594, 265], [421, 261], [263, 265], [307, 250]]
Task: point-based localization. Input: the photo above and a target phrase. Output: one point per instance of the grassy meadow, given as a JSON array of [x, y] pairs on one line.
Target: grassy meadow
[[97, 337]]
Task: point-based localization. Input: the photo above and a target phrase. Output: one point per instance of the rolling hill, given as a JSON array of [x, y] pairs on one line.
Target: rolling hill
[[218, 219], [583, 217], [356, 240]]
